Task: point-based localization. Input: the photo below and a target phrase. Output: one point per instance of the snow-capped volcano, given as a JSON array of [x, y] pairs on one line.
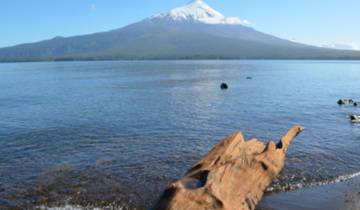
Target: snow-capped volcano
[[194, 31], [198, 11]]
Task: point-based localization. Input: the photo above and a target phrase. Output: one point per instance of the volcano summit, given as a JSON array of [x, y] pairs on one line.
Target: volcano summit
[[193, 31]]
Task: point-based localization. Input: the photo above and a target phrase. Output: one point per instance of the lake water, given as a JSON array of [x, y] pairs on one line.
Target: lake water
[[115, 133]]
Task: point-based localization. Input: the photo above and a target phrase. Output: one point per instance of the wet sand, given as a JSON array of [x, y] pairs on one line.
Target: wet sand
[[339, 196]]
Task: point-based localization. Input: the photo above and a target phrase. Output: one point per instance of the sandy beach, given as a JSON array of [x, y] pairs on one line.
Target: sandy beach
[[339, 196]]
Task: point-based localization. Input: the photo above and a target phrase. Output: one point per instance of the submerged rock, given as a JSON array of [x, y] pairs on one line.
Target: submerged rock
[[355, 118], [224, 86], [340, 102], [345, 101], [233, 175]]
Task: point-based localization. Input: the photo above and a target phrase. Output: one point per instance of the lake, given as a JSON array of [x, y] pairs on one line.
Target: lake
[[114, 133]]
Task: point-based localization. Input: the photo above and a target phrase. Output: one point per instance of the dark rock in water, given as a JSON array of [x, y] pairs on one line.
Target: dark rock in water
[[355, 118], [340, 102], [224, 86], [345, 101], [355, 104]]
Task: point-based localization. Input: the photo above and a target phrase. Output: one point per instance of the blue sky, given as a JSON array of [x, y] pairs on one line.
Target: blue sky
[[315, 22]]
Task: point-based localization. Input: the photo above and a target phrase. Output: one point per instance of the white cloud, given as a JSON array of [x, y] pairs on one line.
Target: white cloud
[[246, 22], [93, 7], [342, 46]]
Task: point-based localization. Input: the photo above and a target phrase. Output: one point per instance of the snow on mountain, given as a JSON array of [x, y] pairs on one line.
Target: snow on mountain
[[194, 31], [199, 11]]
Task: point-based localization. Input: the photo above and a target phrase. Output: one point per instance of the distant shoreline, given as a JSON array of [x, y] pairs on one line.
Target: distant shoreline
[[185, 59]]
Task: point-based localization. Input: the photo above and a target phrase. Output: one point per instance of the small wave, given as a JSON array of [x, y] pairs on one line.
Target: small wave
[[296, 186], [68, 207], [78, 207], [338, 179], [347, 177]]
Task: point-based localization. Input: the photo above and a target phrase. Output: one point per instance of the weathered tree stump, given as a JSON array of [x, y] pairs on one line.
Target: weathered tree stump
[[232, 176]]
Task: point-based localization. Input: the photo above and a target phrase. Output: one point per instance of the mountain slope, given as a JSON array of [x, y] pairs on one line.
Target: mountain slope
[[195, 31]]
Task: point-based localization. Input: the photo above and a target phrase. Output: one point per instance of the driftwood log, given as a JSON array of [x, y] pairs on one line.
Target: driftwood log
[[232, 176]]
